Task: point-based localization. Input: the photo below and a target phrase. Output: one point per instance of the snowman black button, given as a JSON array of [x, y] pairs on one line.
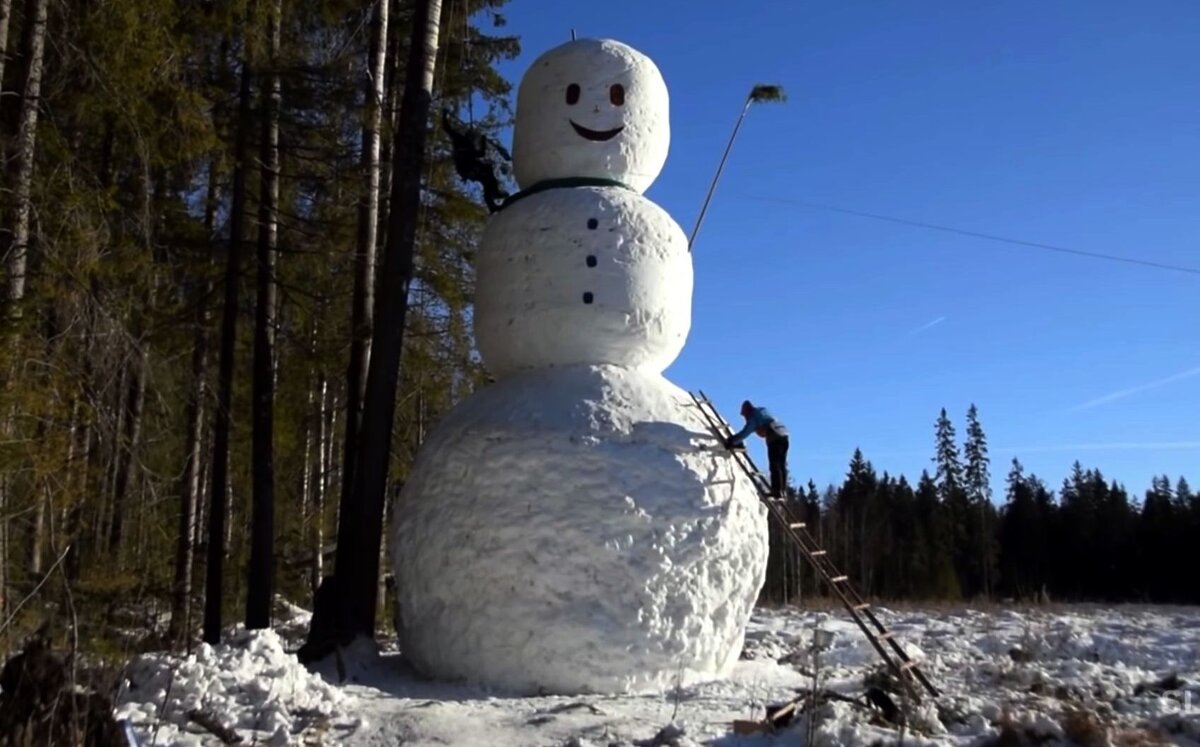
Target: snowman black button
[[592, 224]]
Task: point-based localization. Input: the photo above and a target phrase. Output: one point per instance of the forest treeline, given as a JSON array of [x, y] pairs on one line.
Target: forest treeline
[[197, 232], [946, 537]]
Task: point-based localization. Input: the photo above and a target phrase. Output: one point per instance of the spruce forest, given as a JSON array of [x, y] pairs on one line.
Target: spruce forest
[[237, 292], [949, 538]]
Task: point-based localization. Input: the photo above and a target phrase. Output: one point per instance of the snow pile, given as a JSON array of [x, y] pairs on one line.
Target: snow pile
[[575, 530], [250, 684], [1146, 692]]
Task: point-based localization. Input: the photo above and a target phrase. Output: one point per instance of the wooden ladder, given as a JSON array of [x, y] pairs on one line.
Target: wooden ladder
[[893, 654]]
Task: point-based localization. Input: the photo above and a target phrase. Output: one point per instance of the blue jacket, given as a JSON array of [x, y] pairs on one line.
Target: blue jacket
[[760, 418]]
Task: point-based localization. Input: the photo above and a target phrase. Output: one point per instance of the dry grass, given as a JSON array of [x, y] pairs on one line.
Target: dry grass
[[1081, 728], [1139, 738], [833, 604], [1084, 729]]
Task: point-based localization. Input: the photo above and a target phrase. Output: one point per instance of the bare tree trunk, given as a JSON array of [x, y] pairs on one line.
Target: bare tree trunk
[[86, 437], [189, 492], [306, 472], [33, 44], [127, 446], [200, 540], [262, 532], [115, 410], [320, 480], [362, 315], [361, 526], [43, 501], [393, 74], [192, 483], [37, 536], [218, 506], [5, 15], [310, 420]]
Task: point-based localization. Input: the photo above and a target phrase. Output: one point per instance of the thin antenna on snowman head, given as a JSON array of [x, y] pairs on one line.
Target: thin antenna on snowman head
[[572, 34]]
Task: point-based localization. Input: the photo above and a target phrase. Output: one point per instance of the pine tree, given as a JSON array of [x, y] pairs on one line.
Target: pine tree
[[949, 470], [977, 483], [957, 508]]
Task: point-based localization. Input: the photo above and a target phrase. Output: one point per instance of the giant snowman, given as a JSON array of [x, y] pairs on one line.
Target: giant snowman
[[572, 528]]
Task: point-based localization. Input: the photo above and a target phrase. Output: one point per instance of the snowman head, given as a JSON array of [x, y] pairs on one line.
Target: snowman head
[[591, 108]]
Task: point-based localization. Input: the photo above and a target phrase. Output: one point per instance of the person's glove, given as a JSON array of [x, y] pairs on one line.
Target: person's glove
[[730, 443]]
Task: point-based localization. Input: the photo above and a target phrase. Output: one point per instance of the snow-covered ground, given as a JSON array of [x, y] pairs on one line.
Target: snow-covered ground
[[1049, 675]]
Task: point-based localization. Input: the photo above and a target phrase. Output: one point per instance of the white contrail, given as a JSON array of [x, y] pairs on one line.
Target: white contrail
[[1123, 393], [924, 327]]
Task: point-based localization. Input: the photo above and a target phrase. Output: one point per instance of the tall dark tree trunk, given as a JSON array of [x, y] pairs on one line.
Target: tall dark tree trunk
[[262, 534], [360, 528], [362, 314], [221, 418]]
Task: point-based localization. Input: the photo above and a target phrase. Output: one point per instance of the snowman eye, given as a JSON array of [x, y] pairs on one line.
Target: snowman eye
[[616, 94], [573, 94]]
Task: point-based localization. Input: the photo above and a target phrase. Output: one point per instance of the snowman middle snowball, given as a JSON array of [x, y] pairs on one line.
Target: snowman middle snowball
[[583, 275]]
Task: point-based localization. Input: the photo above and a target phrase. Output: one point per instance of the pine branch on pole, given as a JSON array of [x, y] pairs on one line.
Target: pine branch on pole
[[759, 94]]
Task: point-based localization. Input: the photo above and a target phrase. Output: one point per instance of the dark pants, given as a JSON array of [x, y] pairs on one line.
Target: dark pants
[[777, 449]]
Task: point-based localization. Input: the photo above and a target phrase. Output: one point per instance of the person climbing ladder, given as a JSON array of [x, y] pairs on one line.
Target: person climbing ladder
[[759, 421]]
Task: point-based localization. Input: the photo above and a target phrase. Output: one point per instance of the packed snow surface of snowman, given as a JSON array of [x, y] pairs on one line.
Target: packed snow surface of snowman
[[1055, 676]]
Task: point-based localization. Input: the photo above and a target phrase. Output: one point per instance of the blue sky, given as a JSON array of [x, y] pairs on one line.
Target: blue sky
[[1073, 123]]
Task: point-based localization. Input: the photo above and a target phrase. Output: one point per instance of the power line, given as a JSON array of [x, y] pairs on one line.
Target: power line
[[978, 235]]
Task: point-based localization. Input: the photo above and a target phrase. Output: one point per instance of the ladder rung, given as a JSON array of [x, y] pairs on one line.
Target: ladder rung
[[817, 553], [886, 635], [861, 607], [797, 525], [838, 579], [910, 664]]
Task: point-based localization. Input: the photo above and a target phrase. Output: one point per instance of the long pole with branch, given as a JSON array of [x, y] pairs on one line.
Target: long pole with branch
[[760, 93]]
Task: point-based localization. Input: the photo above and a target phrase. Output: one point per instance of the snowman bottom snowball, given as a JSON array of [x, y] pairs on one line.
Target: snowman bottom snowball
[[573, 530]]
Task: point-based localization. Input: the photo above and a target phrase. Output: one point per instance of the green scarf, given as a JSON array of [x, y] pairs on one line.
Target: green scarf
[[569, 183]]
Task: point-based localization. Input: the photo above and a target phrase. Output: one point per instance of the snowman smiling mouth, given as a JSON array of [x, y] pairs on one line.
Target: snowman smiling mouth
[[598, 136]]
